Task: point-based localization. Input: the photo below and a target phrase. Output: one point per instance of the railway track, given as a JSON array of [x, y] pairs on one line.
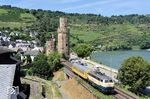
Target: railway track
[[71, 74], [119, 94]]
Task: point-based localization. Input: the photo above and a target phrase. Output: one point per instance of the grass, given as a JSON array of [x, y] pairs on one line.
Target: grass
[[3, 11], [15, 19], [57, 92], [52, 90], [99, 33], [94, 90], [27, 20], [86, 36], [48, 91], [11, 16], [125, 89], [61, 78], [26, 17], [13, 24]]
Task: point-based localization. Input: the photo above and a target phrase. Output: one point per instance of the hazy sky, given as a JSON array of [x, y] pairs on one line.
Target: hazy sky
[[103, 7]]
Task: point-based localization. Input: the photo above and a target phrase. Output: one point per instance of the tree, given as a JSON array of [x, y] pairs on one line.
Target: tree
[[41, 66], [18, 57], [45, 22], [28, 59], [54, 61], [45, 66], [135, 73], [83, 50]]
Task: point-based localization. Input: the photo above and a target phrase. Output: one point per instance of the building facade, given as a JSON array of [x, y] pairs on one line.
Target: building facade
[[10, 76]]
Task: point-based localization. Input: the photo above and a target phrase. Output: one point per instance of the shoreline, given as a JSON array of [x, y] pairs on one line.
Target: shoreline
[[122, 50], [102, 66], [116, 58]]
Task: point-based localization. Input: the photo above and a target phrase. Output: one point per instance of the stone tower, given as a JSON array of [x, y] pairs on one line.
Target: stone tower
[[50, 45], [63, 38]]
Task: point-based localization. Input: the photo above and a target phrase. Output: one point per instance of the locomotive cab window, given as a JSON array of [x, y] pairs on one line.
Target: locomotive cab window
[[107, 81], [110, 80]]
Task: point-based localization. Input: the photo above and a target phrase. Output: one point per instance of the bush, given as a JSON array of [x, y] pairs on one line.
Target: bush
[[41, 66], [83, 50], [29, 72], [54, 61], [28, 59], [45, 66], [135, 73]]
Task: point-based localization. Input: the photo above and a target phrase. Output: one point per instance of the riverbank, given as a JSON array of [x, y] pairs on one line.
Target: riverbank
[[114, 59], [102, 66]]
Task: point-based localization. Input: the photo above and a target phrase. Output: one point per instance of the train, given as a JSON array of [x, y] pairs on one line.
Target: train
[[99, 80]]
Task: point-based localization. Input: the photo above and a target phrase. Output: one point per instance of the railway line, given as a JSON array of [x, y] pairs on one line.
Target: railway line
[[123, 95], [118, 94], [72, 75]]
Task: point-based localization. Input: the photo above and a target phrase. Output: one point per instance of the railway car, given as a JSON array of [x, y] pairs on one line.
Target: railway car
[[97, 79], [80, 70]]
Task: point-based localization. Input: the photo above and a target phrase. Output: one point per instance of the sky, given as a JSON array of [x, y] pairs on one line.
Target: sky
[[103, 7]]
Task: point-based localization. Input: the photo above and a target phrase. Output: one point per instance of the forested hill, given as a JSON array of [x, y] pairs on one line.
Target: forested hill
[[111, 33]]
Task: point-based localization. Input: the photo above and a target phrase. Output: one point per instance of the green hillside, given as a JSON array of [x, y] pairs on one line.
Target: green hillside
[[3, 11], [15, 18], [110, 33], [114, 36]]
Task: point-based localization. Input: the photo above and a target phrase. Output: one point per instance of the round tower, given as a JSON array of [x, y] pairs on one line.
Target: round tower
[[63, 38]]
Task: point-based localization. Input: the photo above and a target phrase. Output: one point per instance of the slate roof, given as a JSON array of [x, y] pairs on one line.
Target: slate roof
[[7, 73], [5, 50]]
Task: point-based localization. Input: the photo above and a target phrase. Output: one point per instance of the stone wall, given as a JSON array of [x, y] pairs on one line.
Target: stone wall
[[50, 45]]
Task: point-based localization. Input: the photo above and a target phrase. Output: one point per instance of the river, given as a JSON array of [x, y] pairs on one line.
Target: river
[[114, 59]]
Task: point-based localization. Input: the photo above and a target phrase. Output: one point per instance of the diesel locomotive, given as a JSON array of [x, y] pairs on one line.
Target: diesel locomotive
[[97, 79]]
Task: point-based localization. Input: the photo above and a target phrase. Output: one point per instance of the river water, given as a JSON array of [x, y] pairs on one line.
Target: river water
[[114, 59]]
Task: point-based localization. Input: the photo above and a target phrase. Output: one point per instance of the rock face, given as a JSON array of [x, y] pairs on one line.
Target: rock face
[[63, 38], [50, 45]]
